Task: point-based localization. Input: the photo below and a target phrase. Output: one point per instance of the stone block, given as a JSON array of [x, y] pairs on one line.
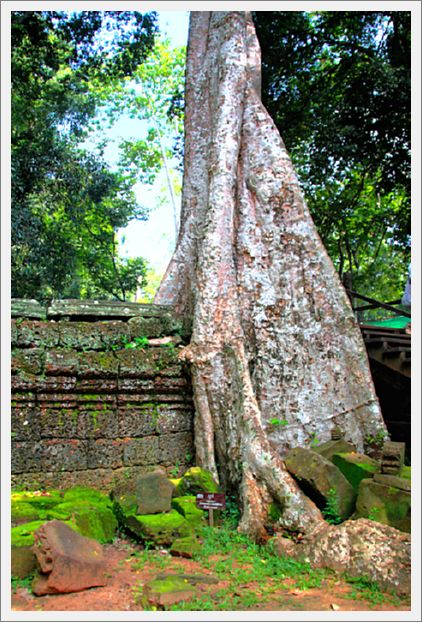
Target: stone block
[[186, 506], [154, 326], [317, 476], [66, 455], [22, 307], [197, 480], [186, 547], [172, 419], [145, 363], [169, 591], [329, 448], [136, 420], [79, 335], [25, 422], [60, 423], [98, 364], [393, 481], [61, 363], [56, 388], [105, 454], [27, 361], [141, 451], [385, 504], [102, 309], [25, 456], [177, 447], [160, 529], [153, 492], [68, 561], [99, 420], [392, 458], [355, 467], [37, 334]]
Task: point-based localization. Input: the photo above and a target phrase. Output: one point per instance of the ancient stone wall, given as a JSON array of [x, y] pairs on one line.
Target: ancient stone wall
[[98, 393]]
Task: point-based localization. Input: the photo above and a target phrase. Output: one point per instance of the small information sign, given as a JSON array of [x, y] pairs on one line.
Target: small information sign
[[211, 500]]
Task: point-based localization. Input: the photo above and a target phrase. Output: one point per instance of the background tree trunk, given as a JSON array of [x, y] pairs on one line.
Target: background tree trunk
[[273, 333]]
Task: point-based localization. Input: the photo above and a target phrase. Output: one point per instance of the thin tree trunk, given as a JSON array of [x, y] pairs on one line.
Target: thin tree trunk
[[273, 333]]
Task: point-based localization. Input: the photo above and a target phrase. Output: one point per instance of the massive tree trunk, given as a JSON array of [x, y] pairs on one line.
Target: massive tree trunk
[[273, 334]]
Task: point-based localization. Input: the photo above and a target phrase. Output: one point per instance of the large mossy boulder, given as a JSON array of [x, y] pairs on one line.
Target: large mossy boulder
[[158, 529], [93, 521], [196, 480], [355, 467], [320, 479], [385, 499], [86, 510]]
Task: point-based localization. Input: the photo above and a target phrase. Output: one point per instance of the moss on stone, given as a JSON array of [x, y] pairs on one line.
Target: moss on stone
[[97, 523], [355, 467], [23, 535], [406, 472], [186, 506], [37, 499], [197, 480], [169, 584], [86, 494], [186, 547], [23, 510], [274, 511], [159, 529]]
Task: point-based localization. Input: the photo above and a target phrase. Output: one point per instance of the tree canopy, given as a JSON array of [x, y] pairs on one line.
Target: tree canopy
[[66, 202], [337, 85]]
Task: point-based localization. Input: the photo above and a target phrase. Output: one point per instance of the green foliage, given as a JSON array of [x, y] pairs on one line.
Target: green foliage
[[137, 343], [331, 512], [276, 422], [337, 84], [66, 203], [17, 582]]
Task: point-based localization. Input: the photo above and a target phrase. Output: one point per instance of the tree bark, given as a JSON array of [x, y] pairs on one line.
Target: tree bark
[[273, 334]]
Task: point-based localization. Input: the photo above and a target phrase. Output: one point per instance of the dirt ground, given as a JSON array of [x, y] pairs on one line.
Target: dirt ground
[[126, 577]]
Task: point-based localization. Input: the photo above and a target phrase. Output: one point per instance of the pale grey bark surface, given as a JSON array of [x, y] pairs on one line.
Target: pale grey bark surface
[[273, 332]]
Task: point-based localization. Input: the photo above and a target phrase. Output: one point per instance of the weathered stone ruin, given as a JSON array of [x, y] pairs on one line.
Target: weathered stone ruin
[[97, 393]]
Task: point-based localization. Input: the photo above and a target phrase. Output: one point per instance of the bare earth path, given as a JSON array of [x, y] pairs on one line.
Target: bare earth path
[[128, 572]]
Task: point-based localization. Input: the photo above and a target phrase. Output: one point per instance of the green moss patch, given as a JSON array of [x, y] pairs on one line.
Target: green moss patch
[[159, 529], [274, 511], [186, 547], [197, 480], [86, 510], [23, 535], [406, 472], [186, 506], [355, 467]]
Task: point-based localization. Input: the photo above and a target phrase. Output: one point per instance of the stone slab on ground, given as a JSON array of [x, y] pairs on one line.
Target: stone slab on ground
[[68, 561], [168, 591], [185, 547], [359, 548], [318, 477]]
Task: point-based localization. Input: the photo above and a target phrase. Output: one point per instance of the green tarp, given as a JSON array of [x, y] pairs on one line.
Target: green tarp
[[399, 321]]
